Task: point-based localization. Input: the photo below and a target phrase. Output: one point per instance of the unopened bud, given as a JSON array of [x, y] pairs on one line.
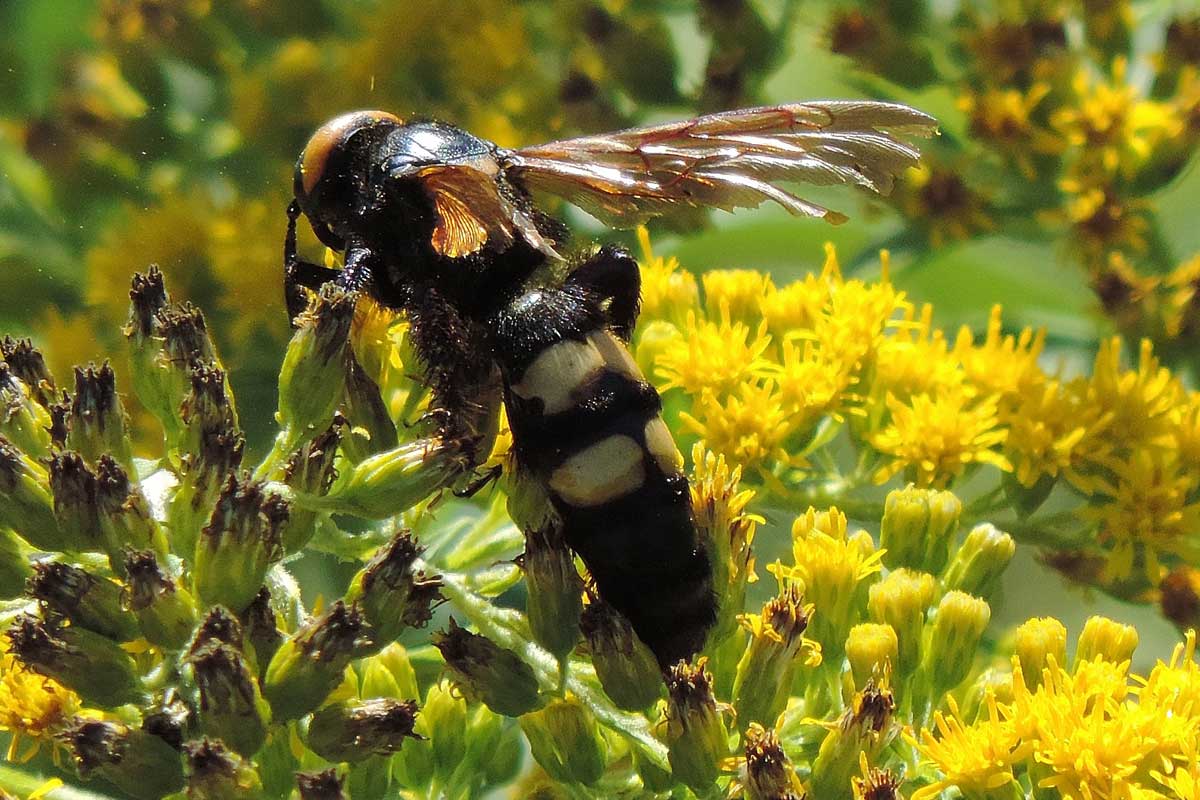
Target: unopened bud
[[918, 527], [957, 630], [214, 772], [768, 666], [769, 773], [391, 594], [87, 600], [139, 763], [231, 707], [27, 363], [371, 427], [98, 423], [320, 785], [555, 592], [164, 609], [872, 650], [565, 741], [697, 741], [219, 626], [356, 730], [203, 474], [900, 600], [125, 518], [262, 629], [485, 671], [865, 727], [23, 421], [392, 481], [626, 667], [310, 470], [1105, 639], [1036, 642], [94, 666], [313, 375], [239, 544], [14, 565], [980, 561], [206, 408], [876, 784], [310, 664], [26, 503]]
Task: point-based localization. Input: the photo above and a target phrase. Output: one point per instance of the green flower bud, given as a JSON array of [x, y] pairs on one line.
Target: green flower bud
[[26, 503], [239, 544], [980, 561], [164, 609], [203, 473], [371, 427], [565, 741], [865, 727], [873, 651], [14, 565], [555, 592], [1036, 642], [320, 785], [768, 666], [27, 363], [485, 671], [394, 658], [918, 527], [125, 518], [262, 629], [231, 707], [445, 723], [93, 665], [1107, 640], [86, 600], [393, 481], [769, 773], [219, 626], [503, 754], [311, 664], [138, 763], [627, 669], [98, 423], [310, 470], [727, 533], [900, 600], [392, 595], [313, 375], [654, 777], [957, 630], [354, 731], [697, 741], [23, 421], [207, 408], [214, 772]]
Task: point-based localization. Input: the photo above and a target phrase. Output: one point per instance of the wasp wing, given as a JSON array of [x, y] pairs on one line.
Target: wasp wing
[[726, 160]]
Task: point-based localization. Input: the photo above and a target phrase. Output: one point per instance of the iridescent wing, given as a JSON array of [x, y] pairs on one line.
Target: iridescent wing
[[726, 160]]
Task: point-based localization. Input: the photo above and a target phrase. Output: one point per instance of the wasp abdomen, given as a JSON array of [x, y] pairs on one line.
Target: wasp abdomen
[[587, 424]]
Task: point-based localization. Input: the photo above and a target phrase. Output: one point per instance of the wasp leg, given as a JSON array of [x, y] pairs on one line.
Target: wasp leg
[[473, 488], [298, 275], [612, 276]]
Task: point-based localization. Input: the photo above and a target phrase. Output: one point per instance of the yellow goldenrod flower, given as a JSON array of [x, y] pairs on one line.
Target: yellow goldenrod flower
[[1037, 642], [739, 290], [937, 198], [668, 292], [33, 708], [1141, 402], [749, 427], [1002, 117], [1005, 364], [915, 360], [1046, 430], [976, 759], [720, 357]]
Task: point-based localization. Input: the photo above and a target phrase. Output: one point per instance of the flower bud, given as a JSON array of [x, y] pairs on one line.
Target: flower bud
[[76, 501], [60, 421], [876, 784], [219, 626], [487, 672], [768, 666], [769, 773], [1037, 641], [164, 609], [1105, 639], [26, 503], [262, 631], [312, 662], [320, 785], [863, 728], [14, 565], [392, 595], [86, 600], [957, 629], [873, 651], [231, 707], [239, 544], [98, 423], [980, 561], [214, 772], [313, 375], [23, 421], [310, 470], [392, 481], [138, 763], [356, 730], [27, 363], [918, 527], [445, 723], [371, 427], [94, 666], [203, 473], [900, 600], [565, 741], [626, 667], [697, 741], [125, 518], [207, 407], [555, 592]]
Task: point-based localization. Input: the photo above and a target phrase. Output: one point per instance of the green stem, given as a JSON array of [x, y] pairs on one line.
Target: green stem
[[281, 448], [25, 783]]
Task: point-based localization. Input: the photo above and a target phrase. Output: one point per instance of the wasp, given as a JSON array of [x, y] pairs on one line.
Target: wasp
[[442, 226]]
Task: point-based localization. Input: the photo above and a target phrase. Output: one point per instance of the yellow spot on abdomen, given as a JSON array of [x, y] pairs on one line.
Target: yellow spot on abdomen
[[609, 469], [557, 372], [662, 447]]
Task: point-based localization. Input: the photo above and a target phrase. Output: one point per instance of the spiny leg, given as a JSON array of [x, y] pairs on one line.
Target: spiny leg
[[612, 275], [300, 275]]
